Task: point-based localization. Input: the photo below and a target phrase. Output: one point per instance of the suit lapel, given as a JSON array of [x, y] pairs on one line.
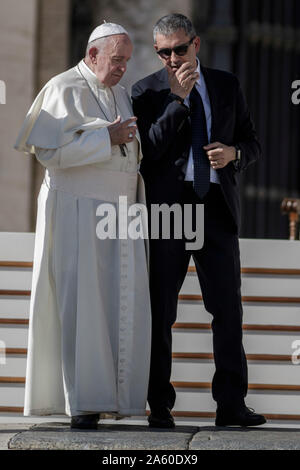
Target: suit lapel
[[213, 100]]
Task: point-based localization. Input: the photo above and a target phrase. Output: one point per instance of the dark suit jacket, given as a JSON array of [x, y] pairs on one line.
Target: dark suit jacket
[[164, 125]]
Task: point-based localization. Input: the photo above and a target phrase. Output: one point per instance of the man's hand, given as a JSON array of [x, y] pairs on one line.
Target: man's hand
[[122, 132], [182, 81], [219, 154]]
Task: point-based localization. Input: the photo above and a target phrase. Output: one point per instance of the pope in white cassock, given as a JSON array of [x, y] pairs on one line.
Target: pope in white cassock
[[90, 319]]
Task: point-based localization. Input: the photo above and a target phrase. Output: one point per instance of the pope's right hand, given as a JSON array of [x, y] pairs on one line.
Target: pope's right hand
[[122, 132]]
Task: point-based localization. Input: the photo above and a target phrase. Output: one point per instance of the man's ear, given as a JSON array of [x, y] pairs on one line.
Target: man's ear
[[93, 54], [197, 43]]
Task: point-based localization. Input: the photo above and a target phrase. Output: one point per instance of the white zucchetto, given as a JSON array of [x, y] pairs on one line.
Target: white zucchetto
[[106, 29]]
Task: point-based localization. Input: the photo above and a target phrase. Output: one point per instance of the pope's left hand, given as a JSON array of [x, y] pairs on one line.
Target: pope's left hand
[[219, 154]]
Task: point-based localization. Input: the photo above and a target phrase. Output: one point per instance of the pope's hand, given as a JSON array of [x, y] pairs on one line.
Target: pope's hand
[[122, 132]]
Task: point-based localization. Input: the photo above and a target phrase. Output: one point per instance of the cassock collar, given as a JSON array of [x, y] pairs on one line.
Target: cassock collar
[[89, 75]]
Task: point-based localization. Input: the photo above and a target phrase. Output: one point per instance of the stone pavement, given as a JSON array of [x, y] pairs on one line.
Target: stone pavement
[[59, 436]]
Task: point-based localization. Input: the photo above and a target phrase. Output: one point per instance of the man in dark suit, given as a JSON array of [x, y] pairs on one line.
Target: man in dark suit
[[180, 109]]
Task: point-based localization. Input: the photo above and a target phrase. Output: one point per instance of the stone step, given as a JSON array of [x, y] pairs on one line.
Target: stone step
[[58, 436]]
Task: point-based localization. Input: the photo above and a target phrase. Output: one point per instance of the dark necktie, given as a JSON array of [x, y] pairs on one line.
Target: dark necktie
[[199, 139]]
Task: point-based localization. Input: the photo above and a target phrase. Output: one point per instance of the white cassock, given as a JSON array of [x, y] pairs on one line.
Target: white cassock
[[90, 319]]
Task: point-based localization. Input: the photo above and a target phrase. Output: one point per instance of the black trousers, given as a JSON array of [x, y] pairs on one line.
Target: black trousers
[[218, 269]]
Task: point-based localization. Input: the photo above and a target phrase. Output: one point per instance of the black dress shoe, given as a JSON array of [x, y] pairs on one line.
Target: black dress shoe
[[242, 416], [85, 421], [161, 418]]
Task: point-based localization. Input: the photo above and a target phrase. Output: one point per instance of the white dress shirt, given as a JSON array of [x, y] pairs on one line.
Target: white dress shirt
[[201, 88]]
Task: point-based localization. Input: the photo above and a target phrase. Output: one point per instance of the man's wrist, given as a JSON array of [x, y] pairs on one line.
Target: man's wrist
[[176, 97]]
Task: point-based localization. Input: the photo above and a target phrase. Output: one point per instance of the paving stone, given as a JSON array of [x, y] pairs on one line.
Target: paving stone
[[59, 436], [7, 431], [234, 438]]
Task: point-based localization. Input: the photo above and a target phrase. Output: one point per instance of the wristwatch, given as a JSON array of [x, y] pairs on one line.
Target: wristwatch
[[237, 161]]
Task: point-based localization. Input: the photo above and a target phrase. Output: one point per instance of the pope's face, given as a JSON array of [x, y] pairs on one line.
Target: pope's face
[[187, 54], [110, 62]]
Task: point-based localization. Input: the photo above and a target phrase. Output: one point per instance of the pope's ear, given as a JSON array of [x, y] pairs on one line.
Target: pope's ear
[[93, 53]]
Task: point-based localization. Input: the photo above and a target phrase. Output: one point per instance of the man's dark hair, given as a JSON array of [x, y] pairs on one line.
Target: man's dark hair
[[169, 24]]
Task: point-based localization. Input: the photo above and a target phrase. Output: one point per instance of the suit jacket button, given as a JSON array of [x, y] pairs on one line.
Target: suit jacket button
[[180, 177]]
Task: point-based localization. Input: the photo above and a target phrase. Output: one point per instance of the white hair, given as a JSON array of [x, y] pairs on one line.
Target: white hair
[[98, 43]]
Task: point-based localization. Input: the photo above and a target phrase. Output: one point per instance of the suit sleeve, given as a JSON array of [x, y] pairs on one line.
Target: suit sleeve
[[245, 133], [158, 128]]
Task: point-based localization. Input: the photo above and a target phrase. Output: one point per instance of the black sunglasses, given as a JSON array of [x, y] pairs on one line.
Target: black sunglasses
[[178, 50]]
